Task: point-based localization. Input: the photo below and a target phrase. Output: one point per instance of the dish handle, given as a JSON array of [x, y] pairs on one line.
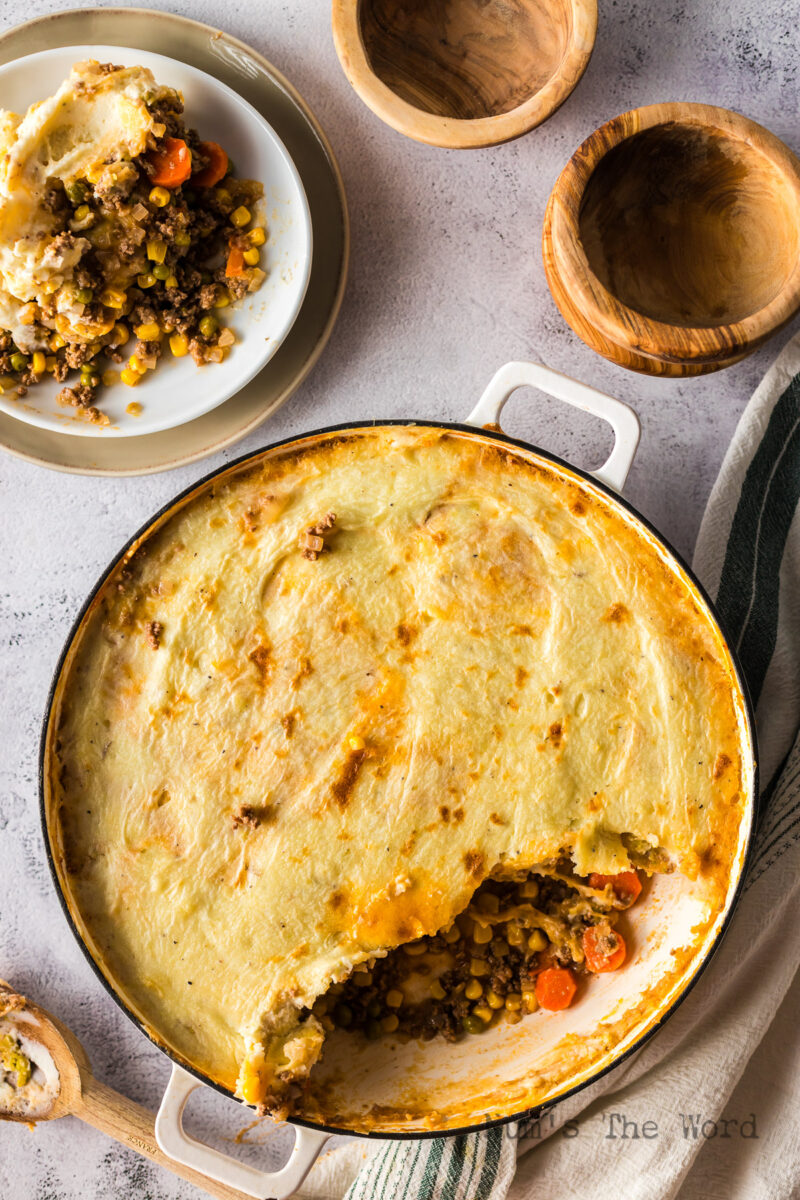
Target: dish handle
[[178, 1144], [620, 417]]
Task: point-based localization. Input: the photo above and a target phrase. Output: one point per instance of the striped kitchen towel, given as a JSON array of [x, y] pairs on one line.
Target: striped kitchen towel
[[708, 1107]]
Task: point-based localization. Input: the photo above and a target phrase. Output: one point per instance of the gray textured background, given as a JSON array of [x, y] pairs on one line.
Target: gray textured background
[[446, 284]]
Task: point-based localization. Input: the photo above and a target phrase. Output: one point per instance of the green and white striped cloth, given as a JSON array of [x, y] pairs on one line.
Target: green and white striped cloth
[[720, 1084]]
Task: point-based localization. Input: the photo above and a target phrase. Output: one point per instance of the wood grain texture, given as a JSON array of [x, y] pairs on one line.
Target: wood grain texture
[[671, 239], [83, 1096], [464, 73]]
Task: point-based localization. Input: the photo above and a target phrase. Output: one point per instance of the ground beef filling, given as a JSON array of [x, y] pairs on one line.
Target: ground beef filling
[[173, 247], [490, 965]]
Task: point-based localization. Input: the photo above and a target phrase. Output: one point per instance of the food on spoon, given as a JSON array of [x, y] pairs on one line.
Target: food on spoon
[[29, 1080], [116, 225]]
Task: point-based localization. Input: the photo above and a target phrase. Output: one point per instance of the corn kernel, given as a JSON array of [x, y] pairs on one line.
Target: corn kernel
[[389, 1024], [537, 941], [171, 281], [513, 1017], [483, 1013], [489, 903], [241, 217], [436, 990], [251, 257], [157, 250], [394, 998], [38, 363], [129, 376], [160, 197], [529, 889], [50, 362], [112, 297], [136, 364], [148, 332], [257, 236], [7, 382], [494, 1000], [482, 934], [452, 934], [93, 174], [529, 1002], [119, 335], [478, 967], [179, 345], [56, 342], [356, 743], [513, 1001], [515, 935], [109, 378], [473, 990], [362, 979], [415, 949], [223, 298]]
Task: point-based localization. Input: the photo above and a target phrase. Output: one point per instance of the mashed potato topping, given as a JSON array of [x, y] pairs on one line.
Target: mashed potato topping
[[116, 219], [341, 689], [92, 127]]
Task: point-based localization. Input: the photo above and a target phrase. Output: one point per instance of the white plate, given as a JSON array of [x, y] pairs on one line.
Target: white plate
[[178, 390]]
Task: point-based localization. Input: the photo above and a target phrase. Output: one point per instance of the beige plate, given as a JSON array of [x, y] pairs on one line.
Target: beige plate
[[234, 63]]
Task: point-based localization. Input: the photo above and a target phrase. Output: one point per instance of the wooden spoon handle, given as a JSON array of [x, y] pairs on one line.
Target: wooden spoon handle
[[134, 1125]]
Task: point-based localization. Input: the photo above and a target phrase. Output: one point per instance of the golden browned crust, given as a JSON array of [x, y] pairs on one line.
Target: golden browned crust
[[492, 664]]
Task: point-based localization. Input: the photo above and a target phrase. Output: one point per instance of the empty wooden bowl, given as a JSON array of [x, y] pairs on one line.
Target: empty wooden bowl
[[672, 238], [464, 73]]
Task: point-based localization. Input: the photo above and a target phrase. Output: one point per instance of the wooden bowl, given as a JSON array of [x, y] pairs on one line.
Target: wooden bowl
[[464, 73], [672, 238]]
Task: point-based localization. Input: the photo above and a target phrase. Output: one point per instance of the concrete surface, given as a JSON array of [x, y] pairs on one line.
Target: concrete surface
[[446, 284]]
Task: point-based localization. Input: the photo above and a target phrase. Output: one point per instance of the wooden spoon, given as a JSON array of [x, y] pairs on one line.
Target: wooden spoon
[[83, 1096]]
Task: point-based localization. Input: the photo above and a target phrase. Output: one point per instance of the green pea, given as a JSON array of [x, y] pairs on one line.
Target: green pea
[[472, 1025], [374, 1009], [162, 271], [84, 295], [374, 1030], [146, 280], [209, 326], [77, 191], [18, 362], [343, 1015]]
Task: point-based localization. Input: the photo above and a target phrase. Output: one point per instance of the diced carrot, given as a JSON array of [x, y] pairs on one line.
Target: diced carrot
[[235, 263], [626, 885], [604, 948], [555, 988], [216, 167], [172, 163]]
